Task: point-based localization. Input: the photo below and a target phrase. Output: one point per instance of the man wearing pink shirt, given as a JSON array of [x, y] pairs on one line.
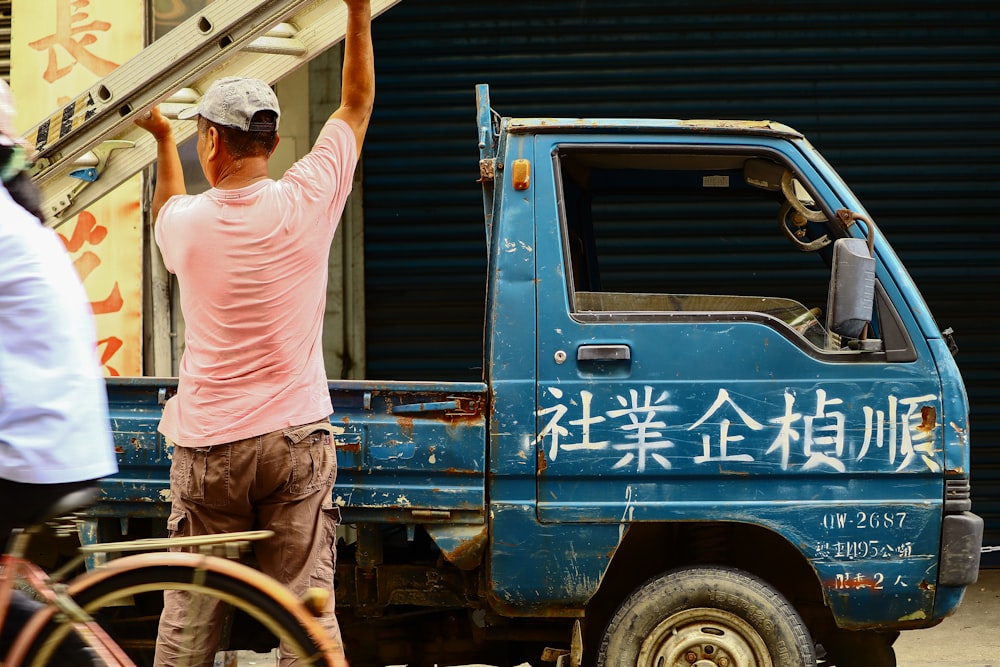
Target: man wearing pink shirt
[[250, 421]]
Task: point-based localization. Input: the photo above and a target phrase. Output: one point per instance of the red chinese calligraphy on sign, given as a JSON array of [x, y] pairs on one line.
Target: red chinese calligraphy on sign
[[74, 33], [88, 233]]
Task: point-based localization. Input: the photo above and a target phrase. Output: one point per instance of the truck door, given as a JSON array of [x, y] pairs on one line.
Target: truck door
[[686, 366]]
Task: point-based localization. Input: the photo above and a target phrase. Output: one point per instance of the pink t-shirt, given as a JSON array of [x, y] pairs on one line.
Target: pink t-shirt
[[251, 265]]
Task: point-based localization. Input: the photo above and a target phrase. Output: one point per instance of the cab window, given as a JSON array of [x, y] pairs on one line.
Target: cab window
[[658, 233]]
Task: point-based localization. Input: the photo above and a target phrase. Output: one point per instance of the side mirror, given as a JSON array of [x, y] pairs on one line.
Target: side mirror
[[852, 288]]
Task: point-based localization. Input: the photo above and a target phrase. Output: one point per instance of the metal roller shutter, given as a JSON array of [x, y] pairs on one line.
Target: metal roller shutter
[[903, 98]]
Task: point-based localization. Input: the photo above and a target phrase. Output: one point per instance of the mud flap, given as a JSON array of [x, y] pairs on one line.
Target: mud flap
[[961, 548]]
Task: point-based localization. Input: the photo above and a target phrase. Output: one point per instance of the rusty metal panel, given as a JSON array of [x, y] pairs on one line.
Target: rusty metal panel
[[410, 451], [141, 487], [406, 451]]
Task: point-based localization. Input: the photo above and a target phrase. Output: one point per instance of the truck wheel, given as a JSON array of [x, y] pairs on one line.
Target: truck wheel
[[848, 648], [706, 617]]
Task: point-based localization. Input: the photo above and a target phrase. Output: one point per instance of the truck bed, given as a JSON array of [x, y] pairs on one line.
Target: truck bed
[[406, 451]]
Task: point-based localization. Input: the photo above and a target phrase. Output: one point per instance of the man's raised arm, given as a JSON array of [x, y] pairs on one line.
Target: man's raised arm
[[357, 96]]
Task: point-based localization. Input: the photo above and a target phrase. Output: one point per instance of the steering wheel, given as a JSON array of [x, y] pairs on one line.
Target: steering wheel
[[798, 233], [796, 230]]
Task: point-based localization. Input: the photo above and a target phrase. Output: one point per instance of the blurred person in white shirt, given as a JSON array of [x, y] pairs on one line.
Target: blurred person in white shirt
[[55, 434]]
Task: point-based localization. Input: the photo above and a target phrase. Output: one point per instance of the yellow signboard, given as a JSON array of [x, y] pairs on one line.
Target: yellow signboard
[[59, 48]]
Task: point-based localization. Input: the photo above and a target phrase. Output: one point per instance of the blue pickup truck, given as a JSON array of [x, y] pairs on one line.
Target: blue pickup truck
[[717, 423]]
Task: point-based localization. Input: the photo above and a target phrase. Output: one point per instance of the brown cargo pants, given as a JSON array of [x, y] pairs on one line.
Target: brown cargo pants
[[280, 481]]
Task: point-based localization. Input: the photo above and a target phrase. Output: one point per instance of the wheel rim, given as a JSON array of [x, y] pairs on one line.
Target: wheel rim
[[703, 637]]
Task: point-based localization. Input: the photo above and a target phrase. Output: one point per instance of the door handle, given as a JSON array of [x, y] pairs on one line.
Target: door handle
[[453, 407], [604, 353]]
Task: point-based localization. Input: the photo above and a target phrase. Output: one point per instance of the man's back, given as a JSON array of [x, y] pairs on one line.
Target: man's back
[[252, 268]]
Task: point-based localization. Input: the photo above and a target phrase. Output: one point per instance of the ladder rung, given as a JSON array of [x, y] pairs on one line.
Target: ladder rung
[[283, 29], [277, 46], [186, 96], [280, 40]]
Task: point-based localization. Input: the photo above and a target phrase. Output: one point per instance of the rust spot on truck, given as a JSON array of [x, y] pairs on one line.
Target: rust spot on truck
[[462, 419], [725, 124], [928, 418], [461, 545], [405, 426], [842, 586], [467, 553]]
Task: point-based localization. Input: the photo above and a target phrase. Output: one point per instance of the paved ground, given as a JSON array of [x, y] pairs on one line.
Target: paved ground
[[970, 638]]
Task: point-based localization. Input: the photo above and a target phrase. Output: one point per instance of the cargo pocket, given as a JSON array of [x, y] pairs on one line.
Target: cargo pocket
[[322, 576], [178, 524], [313, 459], [325, 566], [202, 474]]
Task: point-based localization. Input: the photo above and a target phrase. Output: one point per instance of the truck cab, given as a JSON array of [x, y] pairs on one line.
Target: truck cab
[[732, 371]]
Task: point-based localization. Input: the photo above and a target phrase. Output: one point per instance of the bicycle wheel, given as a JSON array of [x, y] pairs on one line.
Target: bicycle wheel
[[125, 597]]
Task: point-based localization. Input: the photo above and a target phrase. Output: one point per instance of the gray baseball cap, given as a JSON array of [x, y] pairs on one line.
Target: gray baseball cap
[[232, 101]]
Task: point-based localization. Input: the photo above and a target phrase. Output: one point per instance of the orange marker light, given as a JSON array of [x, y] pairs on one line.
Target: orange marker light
[[521, 174]]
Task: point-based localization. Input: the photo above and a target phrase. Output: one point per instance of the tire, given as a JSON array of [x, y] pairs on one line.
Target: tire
[[706, 616], [127, 604], [862, 648]]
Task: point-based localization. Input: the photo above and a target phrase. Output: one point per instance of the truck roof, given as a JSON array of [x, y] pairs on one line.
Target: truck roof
[[630, 125]]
